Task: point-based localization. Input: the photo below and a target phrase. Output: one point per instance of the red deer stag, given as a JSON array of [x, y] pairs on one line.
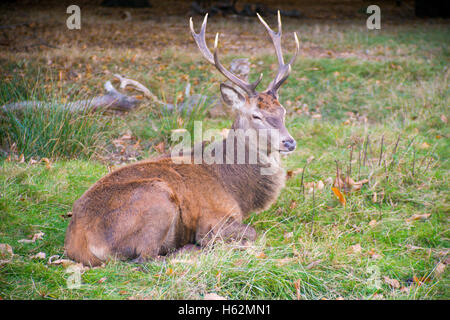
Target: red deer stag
[[154, 207]]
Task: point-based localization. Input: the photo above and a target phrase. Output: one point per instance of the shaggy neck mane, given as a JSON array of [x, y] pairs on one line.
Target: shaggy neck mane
[[252, 190]]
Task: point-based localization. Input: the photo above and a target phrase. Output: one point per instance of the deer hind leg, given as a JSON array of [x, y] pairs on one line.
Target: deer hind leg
[[225, 230], [155, 223], [190, 247]]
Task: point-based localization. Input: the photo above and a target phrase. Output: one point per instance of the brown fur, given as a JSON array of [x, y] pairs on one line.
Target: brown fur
[[150, 208], [268, 102], [154, 207]]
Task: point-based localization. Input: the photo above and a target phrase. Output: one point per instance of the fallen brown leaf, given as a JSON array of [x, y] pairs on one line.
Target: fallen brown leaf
[[54, 260], [36, 236], [439, 270], [347, 184], [358, 185], [444, 253], [373, 223], [39, 255], [118, 143], [339, 195], [239, 262], [374, 255], [374, 197], [420, 281], [392, 282], [418, 217], [48, 164], [261, 255], [377, 296], [288, 235], [6, 253], [292, 173], [169, 271], [160, 147], [313, 264], [297, 284], [314, 186], [126, 136], [404, 290], [63, 262], [284, 261], [139, 297], [6, 249], [296, 252], [213, 296], [101, 280], [293, 205], [356, 248], [309, 186]]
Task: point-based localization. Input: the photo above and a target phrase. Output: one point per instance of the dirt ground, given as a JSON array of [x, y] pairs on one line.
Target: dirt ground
[[29, 26]]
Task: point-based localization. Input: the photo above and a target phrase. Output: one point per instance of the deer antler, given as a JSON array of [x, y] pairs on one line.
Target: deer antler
[[199, 38], [283, 69]]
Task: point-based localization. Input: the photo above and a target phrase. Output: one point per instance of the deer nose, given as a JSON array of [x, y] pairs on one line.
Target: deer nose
[[289, 144]]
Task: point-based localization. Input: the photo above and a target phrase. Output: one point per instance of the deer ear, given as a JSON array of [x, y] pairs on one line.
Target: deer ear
[[232, 97]]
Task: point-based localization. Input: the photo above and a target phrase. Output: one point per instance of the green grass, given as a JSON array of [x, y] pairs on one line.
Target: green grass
[[305, 239], [35, 198], [51, 131]]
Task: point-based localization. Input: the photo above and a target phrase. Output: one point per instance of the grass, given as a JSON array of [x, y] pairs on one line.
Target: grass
[[51, 132], [308, 244]]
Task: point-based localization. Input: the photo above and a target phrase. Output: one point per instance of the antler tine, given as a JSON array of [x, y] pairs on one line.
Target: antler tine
[[283, 69], [275, 36], [199, 38], [247, 87]]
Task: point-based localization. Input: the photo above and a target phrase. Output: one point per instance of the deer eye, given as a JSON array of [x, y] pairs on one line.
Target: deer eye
[[256, 117]]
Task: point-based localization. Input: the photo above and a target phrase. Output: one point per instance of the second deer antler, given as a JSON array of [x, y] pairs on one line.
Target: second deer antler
[[199, 38], [249, 88], [283, 69]]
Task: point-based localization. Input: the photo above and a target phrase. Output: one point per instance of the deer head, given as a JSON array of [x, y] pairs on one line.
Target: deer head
[[255, 110]]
